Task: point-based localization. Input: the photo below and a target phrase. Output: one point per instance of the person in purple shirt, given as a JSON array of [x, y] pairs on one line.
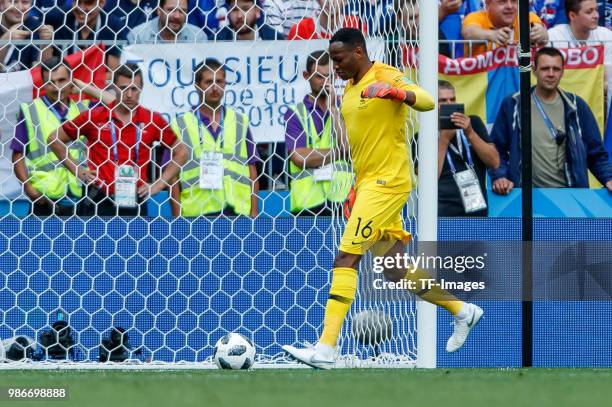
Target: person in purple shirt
[[211, 115], [323, 114]]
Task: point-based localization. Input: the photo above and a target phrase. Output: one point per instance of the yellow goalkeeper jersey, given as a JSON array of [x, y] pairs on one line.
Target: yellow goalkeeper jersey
[[376, 130]]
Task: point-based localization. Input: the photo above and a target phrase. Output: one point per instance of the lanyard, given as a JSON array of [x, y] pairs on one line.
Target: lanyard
[[461, 140], [551, 127], [54, 110], [201, 125], [136, 147]]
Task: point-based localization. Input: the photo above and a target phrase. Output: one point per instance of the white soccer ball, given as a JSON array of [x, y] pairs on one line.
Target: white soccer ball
[[234, 352]]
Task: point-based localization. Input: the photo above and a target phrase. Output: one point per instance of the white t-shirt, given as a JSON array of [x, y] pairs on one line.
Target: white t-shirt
[[561, 36], [283, 14]]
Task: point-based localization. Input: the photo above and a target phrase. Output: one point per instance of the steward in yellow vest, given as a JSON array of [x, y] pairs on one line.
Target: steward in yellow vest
[[319, 177], [313, 187], [219, 176], [44, 178]]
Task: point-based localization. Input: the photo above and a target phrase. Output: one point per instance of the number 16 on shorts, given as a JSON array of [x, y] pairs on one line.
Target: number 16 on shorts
[[365, 230]]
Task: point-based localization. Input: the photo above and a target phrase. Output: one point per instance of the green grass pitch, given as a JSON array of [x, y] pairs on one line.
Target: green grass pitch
[[298, 387]]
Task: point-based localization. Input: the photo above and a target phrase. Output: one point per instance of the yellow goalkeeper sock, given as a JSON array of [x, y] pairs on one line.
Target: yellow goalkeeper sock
[[341, 296], [435, 295]]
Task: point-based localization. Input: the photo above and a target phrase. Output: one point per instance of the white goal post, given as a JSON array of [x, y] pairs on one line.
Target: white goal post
[[428, 174]]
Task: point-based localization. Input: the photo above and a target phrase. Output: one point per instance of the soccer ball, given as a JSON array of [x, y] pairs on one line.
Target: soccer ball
[[235, 352], [372, 328]]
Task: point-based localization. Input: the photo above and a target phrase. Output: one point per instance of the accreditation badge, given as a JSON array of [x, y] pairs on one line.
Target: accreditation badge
[[323, 173], [470, 191], [126, 177], [211, 170]]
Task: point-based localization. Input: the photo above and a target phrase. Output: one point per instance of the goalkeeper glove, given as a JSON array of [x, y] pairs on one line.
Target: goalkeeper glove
[[384, 91], [348, 203]]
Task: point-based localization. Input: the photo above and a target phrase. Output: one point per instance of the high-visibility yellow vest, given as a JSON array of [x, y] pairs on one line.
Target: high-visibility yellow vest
[[305, 192], [46, 173], [237, 185]]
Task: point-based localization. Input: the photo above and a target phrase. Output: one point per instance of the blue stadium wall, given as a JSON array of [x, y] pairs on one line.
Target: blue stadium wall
[[265, 276]]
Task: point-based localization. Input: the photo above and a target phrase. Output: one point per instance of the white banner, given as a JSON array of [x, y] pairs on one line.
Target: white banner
[[263, 77]]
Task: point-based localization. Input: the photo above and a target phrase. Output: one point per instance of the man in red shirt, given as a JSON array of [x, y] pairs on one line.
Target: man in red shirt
[[120, 138], [330, 19]]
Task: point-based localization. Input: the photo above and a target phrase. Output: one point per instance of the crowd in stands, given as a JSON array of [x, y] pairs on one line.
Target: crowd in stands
[[489, 23], [561, 160], [494, 22]]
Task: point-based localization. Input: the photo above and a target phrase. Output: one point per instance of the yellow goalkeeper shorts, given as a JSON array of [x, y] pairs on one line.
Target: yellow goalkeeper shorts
[[376, 217]]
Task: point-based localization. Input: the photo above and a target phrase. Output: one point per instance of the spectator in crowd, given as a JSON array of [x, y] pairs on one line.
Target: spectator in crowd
[[406, 28], [41, 7], [330, 19], [565, 136], [170, 25], [243, 24], [220, 177], [16, 23], [382, 19], [463, 158], [282, 15], [44, 179], [582, 29], [207, 14], [583, 17], [371, 12], [119, 140], [605, 13], [450, 16], [88, 22], [551, 12], [498, 25], [131, 13], [309, 127]]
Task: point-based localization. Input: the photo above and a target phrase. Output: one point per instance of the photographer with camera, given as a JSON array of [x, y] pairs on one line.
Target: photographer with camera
[[58, 342], [464, 154], [116, 347], [566, 141], [17, 349]]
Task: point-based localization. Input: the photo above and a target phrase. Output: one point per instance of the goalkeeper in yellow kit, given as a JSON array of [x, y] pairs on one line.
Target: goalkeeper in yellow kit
[[375, 108]]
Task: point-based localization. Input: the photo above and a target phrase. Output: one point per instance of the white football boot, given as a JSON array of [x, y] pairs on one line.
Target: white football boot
[[463, 327], [319, 356]]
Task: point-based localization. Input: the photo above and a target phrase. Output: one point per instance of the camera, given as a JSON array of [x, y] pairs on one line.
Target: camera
[[116, 348], [57, 342], [446, 111], [18, 348], [560, 136]]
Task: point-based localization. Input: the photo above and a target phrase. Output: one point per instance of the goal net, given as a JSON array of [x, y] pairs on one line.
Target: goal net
[[161, 284]]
